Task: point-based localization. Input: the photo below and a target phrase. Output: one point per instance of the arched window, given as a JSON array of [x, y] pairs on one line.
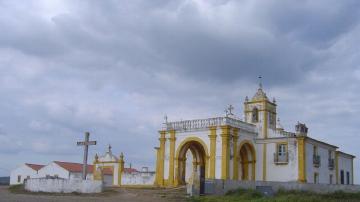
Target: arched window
[[255, 115]]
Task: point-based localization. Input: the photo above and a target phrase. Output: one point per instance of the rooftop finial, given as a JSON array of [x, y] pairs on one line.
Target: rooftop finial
[[109, 148], [166, 118], [260, 81]]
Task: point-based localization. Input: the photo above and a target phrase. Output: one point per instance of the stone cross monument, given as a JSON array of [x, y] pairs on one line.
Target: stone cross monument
[[86, 144]]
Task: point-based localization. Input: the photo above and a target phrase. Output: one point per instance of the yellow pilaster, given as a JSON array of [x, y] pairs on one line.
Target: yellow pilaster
[[212, 137], [265, 125], [301, 159], [172, 158], [162, 140], [225, 152], [95, 174], [236, 155]]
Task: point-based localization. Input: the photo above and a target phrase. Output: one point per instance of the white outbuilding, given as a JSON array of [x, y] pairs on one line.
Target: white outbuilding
[[25, 171], [65, 170]]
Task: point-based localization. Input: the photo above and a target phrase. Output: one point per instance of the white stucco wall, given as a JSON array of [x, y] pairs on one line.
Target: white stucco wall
[[63, 186], [53, 169], [24, 171], [345, 164], [282, 172], [138, 178], [259, 160], [323, 170], [218, 154]]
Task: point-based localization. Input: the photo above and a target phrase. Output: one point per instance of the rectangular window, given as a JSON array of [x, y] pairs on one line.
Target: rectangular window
[[19, 178], [56, 176], [316, 178], [342, 177], [282, 149], [330, 179], [347, 178], [315, 150], [47, 176], [330, 157]]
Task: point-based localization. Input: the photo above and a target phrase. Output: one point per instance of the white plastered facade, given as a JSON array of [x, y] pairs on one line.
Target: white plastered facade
[[278, 155]]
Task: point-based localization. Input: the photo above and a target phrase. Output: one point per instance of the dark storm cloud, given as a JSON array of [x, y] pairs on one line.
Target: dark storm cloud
[[177, 37], [116, 67]]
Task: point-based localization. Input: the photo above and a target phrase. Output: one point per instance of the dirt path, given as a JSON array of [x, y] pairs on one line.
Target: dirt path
[[115, 194]]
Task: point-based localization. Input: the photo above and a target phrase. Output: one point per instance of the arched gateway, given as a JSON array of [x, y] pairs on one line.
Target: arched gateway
[[200, 156], [221, 148], [247, 160]]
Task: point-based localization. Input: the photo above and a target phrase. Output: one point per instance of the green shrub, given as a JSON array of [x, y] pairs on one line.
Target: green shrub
[[17, 188]]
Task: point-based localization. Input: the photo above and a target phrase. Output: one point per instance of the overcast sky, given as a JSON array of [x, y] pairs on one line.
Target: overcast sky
[[114, 68]]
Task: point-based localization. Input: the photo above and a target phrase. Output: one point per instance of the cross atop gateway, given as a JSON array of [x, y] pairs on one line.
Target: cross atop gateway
[[86, 144]]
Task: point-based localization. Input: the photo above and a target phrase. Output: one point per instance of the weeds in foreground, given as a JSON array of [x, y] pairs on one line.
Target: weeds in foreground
[[281, 196]]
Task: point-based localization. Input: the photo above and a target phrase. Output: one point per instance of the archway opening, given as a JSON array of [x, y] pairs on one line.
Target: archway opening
[[247, 160], [106, 174], [191, 164]]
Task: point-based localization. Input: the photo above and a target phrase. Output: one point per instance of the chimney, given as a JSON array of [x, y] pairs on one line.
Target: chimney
[[301, 129]]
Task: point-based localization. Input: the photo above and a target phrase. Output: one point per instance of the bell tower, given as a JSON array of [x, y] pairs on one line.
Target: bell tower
[[261, 112]]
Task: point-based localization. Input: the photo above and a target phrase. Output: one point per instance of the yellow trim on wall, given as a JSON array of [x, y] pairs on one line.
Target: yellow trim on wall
[[212, 137], [225, 153], [265, 126], [162, 139], [172, 156], [236, 155], [301, 159]]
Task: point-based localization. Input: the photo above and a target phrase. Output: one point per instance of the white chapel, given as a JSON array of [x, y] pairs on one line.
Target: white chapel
[[254, 149]]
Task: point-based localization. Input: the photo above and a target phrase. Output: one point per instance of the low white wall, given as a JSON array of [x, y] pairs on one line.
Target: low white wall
[[63, 185], [138, 178], [220, 187]]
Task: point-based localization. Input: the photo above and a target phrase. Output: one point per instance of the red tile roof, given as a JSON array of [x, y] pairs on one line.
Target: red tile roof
[[130, 170], [73, 167], [77, 168], [34, 166]]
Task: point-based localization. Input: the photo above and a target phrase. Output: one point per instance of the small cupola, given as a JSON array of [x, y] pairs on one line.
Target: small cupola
[[260, 95]]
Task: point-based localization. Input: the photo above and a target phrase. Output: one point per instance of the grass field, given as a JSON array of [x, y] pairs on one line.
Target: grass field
[[282, 196]]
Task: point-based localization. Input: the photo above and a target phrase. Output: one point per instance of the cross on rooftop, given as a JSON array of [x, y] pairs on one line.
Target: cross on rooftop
[[260, 81], [86, 144], [229, 110]]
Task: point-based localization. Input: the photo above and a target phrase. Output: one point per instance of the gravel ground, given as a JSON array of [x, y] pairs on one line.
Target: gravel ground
[[115, 194]]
